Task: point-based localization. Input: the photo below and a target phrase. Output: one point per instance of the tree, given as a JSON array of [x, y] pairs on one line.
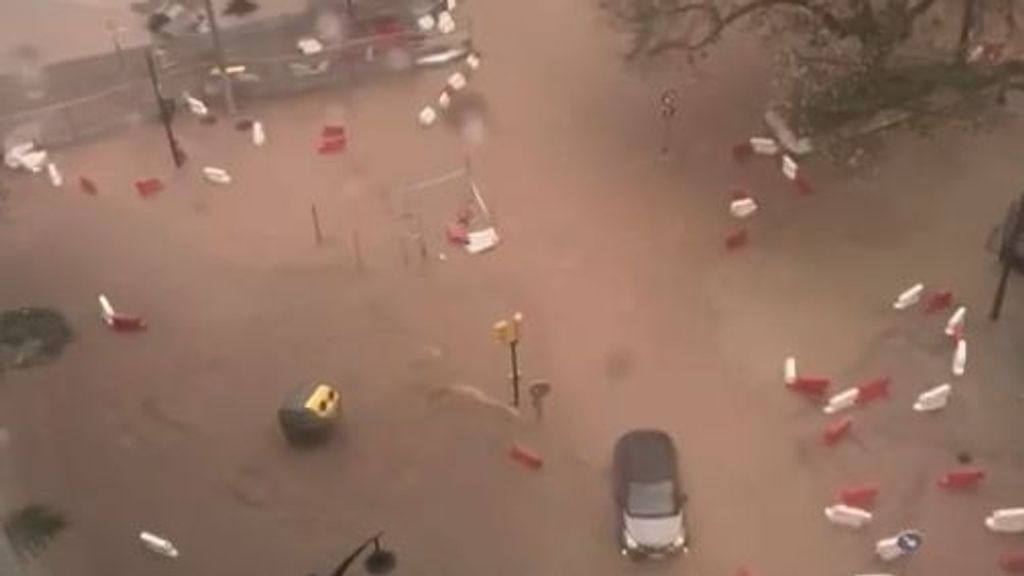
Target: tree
[[31, 529], [852, 67]]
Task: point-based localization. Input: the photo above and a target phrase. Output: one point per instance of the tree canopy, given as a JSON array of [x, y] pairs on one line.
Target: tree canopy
[[849, 67]]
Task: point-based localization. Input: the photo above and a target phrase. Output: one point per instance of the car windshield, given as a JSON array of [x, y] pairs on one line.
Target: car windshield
[[650, 499]]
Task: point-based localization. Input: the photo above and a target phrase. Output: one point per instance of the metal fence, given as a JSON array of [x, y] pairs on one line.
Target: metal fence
[[113, 91]]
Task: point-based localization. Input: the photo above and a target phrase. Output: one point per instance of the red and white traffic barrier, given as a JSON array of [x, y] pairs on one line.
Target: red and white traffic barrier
[[810, 386], [736, 239], [148, 187], [862, 496], [1006, 520], [938, 301], [1012, 562], [843, 515], [117, 321], [216, 175], [836, 431], [56, 178], [764, 146], [933, 399], [959, 362], [873, 390], [743, 207], [962, 479], [789, 371], [841, 401], [909, 297], [525, 456], [195, 105], [259, 136], [791, 170], [956, 324]]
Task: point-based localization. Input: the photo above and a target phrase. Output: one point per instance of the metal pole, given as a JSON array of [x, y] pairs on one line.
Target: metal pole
[[317, 234], [343, 567], [218, 47], [1006, 254], [165, 113], [515, 372]]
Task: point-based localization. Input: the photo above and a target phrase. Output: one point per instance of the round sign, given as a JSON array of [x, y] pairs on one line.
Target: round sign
[[909, 540]]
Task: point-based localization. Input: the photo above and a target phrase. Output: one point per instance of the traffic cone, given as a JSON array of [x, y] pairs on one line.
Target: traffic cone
[[332, 146], [933, 399], [148, 187], [909, 297], [525, 456], [87, 186], [849, 516], [810, 386], [938, 301], [736, 239], [117, 321], [845, 399], [836, 431], [789, 371], [873, 390], [959, 363], [1012, 562], [862, 496], [962, 479], [956, 322], [1006, 520]]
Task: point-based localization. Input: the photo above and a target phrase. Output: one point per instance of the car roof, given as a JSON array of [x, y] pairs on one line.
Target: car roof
[[646, 455]]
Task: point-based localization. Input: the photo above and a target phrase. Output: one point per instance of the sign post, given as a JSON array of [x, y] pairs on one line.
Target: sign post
[[507, 332]]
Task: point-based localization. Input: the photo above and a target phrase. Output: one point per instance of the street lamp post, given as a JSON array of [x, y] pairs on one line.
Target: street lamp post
[[380, 560], [1007, 254], [164, 106], [507, 332], [218, 47]]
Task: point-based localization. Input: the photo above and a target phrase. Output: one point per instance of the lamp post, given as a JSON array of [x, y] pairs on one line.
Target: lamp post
[[507, 332], [1007, 253], [218, 47], [380, 561], [165, 107]]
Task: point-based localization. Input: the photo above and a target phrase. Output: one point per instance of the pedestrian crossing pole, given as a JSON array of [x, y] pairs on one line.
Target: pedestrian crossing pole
[[507, 332]]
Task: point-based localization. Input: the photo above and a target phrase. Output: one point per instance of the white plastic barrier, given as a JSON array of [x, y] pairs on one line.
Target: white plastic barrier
[[1006, 520], [959, 363], [742, 207], [427, 116], [845, 399], [789, 370], [849, 516], [259, 137], [56, 179], [195, 105], [159, 545], [909, 297], [457, 81], [216, 175], [933, 399], [955, 323], [764, 146]]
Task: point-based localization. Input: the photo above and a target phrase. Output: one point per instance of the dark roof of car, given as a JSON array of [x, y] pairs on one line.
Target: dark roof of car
[[646, 455]]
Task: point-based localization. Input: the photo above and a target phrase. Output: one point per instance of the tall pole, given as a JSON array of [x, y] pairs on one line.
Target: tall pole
[[515, 372], [218, 47], [1007, 252], [164, 107]]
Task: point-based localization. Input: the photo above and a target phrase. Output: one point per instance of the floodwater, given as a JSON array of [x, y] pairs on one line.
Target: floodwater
[[634, 311]]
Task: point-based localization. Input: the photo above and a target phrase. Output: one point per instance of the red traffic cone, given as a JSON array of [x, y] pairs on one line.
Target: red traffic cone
[[1012, 562], [836, 431], [88, 186], [148, 187], [938, 301], [526, 456], [736, 240], [859, 496], [962, 479], [742, 151], [332, 146], [810, 386], [332, 131], [873, 390]]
